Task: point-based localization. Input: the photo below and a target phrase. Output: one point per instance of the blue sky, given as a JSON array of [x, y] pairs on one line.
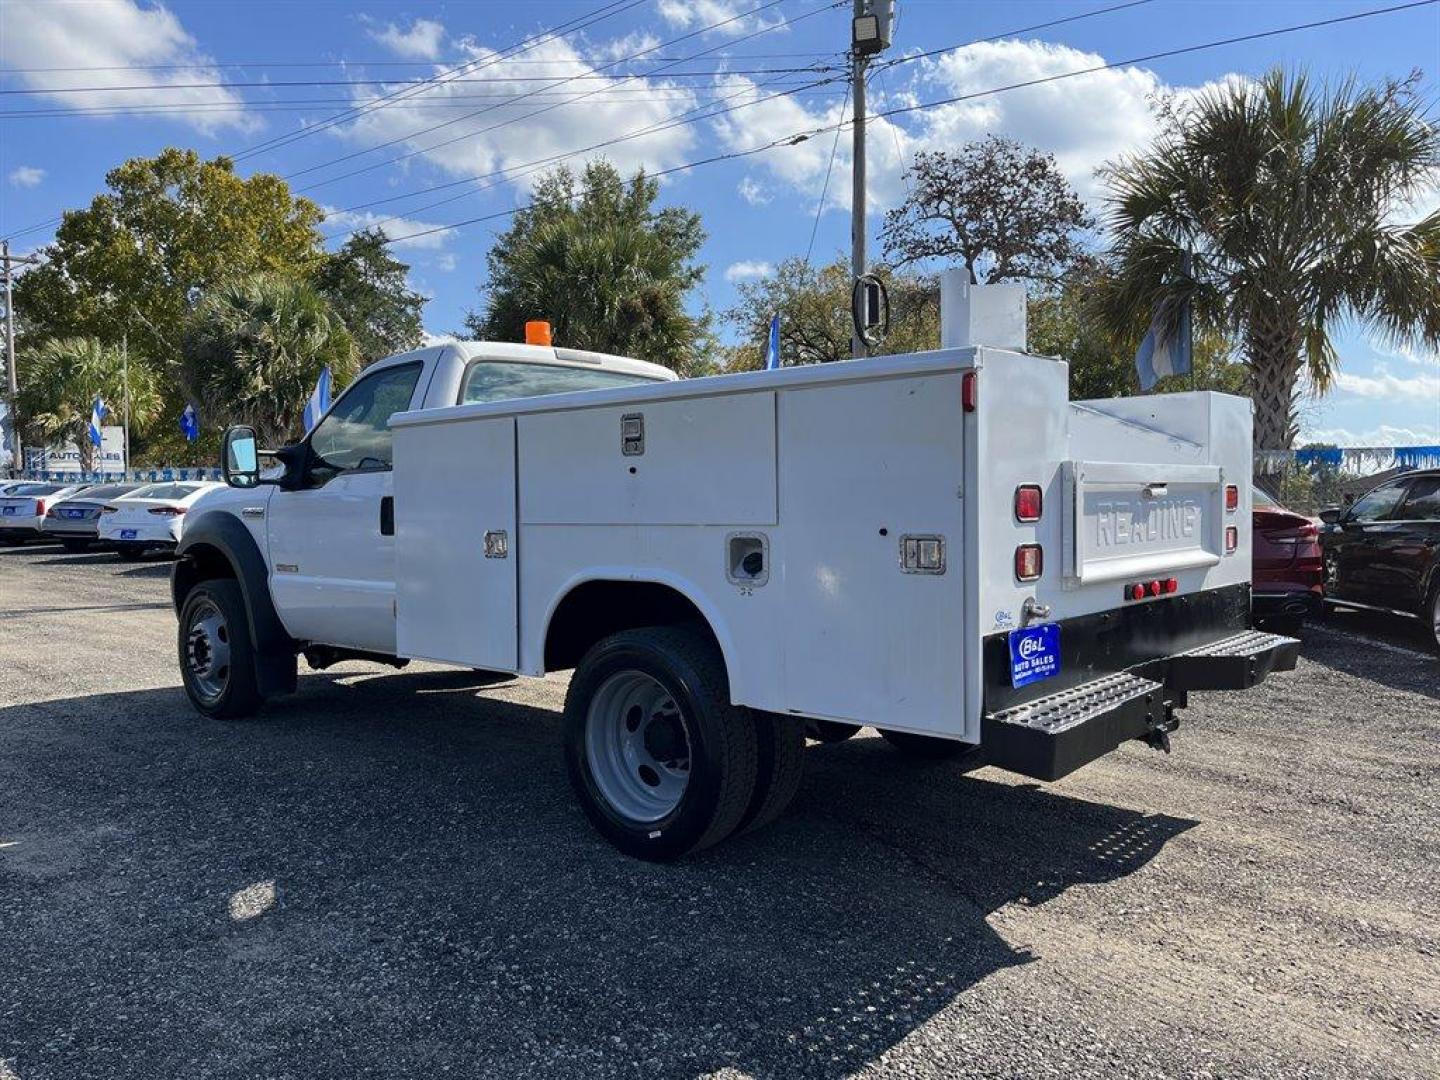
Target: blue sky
[[214, 72]]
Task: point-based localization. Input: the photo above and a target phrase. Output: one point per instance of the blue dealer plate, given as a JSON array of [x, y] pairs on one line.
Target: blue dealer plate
[[1034, 654], [127, 534], [7, 510]]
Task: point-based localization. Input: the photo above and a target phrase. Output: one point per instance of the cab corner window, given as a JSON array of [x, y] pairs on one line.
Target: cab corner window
[[355, 434]]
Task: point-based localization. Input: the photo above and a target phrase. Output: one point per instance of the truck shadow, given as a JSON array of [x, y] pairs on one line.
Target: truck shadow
[[395, 862]]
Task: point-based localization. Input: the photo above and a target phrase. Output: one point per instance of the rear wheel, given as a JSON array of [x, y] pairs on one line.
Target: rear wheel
[[1435, 615], [12, 540], [217, 663], [130, 552], [661, 761], [75, 547], [924, 747], [780, 768]]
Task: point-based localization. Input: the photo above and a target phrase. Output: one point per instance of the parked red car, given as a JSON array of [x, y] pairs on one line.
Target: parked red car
[[1288, 569]]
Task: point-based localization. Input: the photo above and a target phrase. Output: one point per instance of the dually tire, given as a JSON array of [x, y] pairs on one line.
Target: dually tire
[[660, 760]]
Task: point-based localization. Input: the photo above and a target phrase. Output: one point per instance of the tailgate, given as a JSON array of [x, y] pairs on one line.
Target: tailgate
[[1128, 521]]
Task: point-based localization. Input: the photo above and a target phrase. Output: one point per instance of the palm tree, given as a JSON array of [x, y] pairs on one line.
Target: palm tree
[[253, 349], [1288, 195], [59, 382]]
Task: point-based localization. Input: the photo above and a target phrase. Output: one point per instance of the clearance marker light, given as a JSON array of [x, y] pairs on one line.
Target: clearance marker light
[[537, 332], [1232, 539]]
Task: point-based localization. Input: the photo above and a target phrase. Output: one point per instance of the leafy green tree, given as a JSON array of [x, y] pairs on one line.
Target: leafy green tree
[[595, 257], [166, 231], [1102, 365], [59, 380], [1001, 210], [366, 287], [253, 349], [1287, 193], [815, 323]]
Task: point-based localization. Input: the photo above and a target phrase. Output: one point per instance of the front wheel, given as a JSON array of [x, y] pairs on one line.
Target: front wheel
[[661, 761], [217, 662], [1435, 616]]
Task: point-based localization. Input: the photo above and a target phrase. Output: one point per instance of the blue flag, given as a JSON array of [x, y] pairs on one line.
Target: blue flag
[[190, 423], [319, 401], [772, 344], [97, 417], [1167, 348]]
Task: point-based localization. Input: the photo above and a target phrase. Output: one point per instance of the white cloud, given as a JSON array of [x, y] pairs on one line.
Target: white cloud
[[693, 14], [423, 41], [446, 262], [26, 176], [428, 339], [354, 220], [1383, 435], [622, 47], [1083, 121], [503, 134], [748, 270], [117, 34], [753, 192], [1383, 385]]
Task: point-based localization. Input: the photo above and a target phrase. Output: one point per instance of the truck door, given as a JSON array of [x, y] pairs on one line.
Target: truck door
[[332, 541]]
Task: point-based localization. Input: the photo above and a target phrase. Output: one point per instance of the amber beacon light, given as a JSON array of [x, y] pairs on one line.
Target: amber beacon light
[[537, 332]]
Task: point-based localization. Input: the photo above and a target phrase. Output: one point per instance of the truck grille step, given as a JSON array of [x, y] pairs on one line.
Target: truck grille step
[[1234, 663], [1055, 735]]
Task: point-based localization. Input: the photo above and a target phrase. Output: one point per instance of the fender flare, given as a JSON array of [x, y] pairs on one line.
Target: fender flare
[[225, 534]]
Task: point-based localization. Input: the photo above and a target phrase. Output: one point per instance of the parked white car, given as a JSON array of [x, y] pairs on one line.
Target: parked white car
[[75, 519], [22, 509], [151, 517]]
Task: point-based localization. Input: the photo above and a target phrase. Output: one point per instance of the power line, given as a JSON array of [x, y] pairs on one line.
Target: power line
[[802, 136], [600, 14], [654, 130], [529, 115], [343, 62], [825, 188]]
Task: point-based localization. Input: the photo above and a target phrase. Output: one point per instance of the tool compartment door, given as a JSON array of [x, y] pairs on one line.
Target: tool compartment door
[[1141, 521], [455, 542]]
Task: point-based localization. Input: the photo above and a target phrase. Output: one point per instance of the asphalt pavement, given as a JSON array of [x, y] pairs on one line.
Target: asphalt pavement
[[385, 876]]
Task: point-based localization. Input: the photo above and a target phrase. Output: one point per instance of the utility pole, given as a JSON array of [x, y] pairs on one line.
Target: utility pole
[[869, 35], [18, 459], [125, 378]]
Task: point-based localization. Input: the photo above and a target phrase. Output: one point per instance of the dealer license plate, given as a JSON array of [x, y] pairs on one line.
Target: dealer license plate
[[127, 534], [7, 510], [1034, 654]]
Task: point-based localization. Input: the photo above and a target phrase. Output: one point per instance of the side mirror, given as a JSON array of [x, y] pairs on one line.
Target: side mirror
[[240, 457], [1331, 515]]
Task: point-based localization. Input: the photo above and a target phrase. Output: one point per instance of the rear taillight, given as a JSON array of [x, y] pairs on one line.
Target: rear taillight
[[40, 510], [1232, 539], [110, 509], [1232, 497], [52, 512], [1028, 502], [1029, 562], [167, 511], [970, 391]]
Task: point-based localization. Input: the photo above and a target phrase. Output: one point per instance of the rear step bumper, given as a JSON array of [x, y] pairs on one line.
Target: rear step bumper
[[1053, 736]]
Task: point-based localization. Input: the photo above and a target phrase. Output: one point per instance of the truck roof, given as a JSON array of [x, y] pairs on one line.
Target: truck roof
[[545, 354]]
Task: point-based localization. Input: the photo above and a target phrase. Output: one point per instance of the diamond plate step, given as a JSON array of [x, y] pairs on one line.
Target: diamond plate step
[[1055, 735], [1234, 663]]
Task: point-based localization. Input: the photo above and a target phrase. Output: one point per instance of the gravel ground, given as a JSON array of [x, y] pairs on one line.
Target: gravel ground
[[385, 876]]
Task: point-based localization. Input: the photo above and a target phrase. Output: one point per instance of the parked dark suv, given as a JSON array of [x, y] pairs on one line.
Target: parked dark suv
[[1383, 552]]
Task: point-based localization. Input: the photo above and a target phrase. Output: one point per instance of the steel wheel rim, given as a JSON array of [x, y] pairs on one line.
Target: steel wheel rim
[[637, 744], [207, 650]]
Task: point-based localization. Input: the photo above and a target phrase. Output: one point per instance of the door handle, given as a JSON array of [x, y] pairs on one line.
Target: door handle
[[387, 515]]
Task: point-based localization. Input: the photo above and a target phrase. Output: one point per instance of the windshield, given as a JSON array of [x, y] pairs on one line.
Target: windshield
[[34, 489], [164, 491], [497, 380]]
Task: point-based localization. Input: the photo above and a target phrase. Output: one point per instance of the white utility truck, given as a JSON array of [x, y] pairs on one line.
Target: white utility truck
[[939, 545]]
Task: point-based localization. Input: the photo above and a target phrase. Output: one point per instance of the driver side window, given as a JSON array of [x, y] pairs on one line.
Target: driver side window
[[355, 434], [1378, 504]]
